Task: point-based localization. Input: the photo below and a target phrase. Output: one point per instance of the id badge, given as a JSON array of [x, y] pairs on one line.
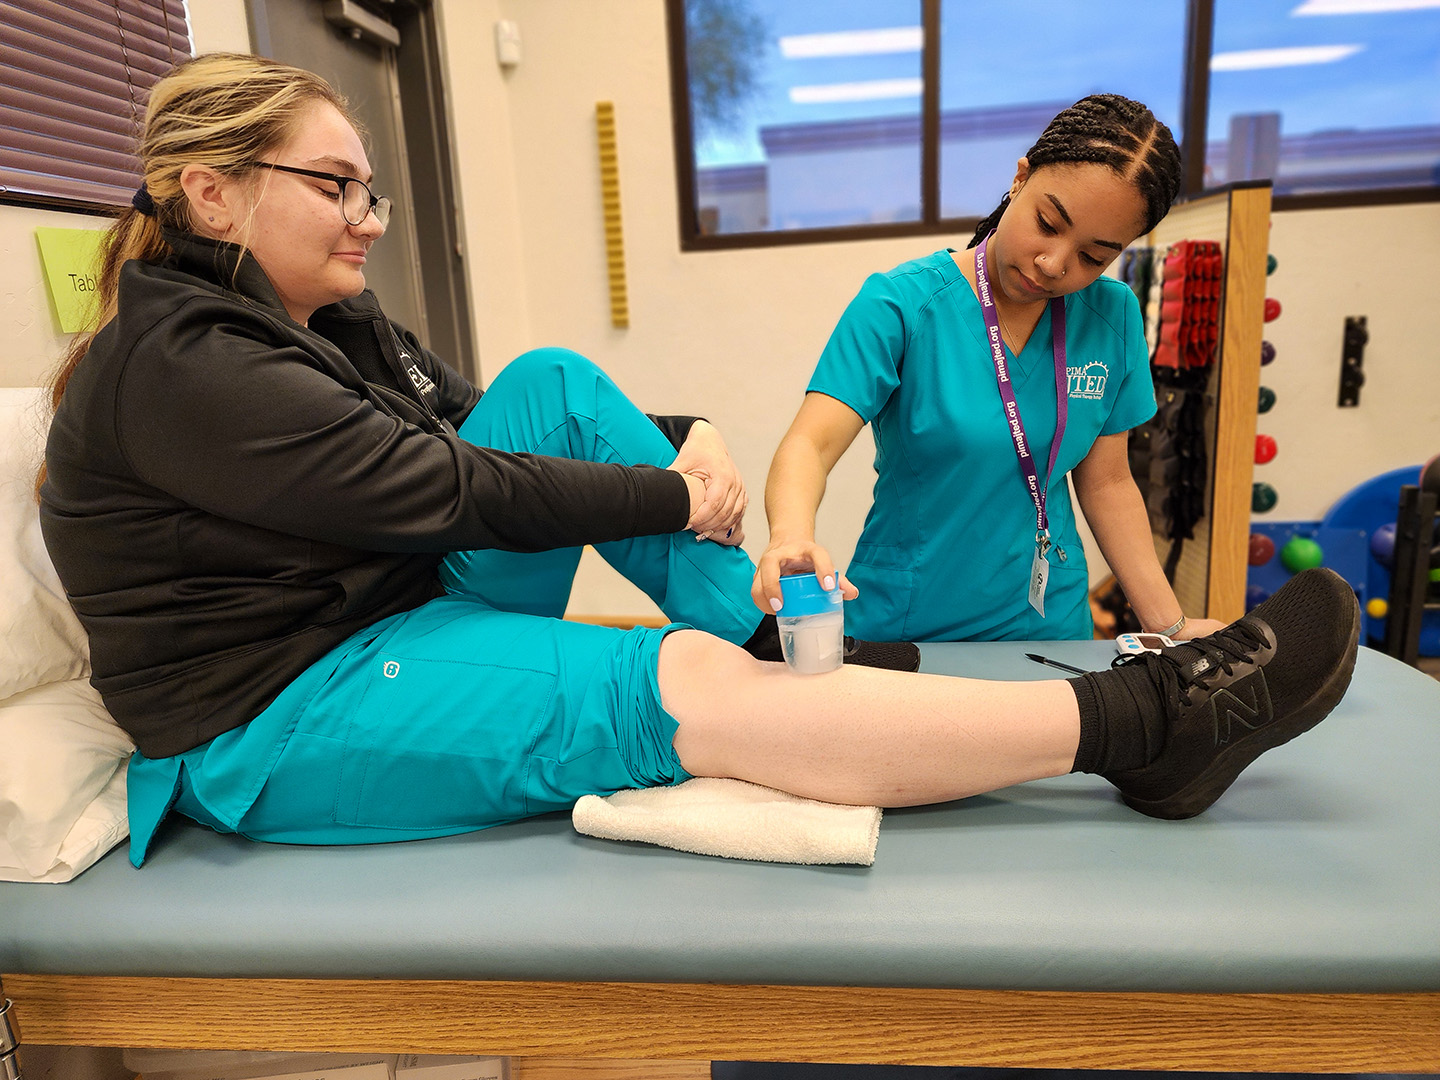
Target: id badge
[[1039, 576]]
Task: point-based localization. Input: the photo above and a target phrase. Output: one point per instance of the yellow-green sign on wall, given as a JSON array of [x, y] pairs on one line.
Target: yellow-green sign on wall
[[72, 271]]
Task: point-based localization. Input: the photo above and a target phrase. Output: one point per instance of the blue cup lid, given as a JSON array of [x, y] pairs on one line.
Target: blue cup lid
[[801, 594]]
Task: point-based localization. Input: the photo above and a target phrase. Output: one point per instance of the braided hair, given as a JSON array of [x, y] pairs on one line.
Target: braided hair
[[1110, 130]]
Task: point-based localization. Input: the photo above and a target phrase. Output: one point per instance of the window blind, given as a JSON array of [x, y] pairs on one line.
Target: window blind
[[74, 79]]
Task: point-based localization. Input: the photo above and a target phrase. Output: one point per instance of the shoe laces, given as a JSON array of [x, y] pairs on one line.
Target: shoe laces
[[1196, 662]]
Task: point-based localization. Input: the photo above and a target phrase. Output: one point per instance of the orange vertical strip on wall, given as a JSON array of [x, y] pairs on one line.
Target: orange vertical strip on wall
[[610, 201]]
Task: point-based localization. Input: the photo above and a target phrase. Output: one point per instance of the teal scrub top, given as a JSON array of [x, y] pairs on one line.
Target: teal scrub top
[[947, 546]]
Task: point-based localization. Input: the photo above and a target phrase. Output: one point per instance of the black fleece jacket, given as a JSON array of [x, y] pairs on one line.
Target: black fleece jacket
[[230, 494]]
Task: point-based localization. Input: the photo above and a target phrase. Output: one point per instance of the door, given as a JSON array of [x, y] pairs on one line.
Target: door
[[406, 268]]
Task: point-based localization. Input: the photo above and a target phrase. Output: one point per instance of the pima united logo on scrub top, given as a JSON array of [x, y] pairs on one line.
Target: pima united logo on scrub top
[[1088, 381]]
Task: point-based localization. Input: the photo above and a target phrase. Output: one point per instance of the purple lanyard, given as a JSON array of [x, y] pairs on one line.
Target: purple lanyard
[[1007, 393]]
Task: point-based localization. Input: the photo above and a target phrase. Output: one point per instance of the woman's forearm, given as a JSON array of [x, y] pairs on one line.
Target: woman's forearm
[[793, 489], [1116, 515], [822, 431]]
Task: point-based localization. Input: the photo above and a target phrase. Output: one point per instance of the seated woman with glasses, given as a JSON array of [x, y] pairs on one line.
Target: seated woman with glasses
[[322, 574]]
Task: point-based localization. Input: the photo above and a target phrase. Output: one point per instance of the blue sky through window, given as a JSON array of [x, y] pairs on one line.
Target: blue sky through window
[[779, 75], [1031, 51], [1391, 80]]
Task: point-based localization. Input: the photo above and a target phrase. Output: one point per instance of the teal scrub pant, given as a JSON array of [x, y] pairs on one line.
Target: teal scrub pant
[[483, 706]]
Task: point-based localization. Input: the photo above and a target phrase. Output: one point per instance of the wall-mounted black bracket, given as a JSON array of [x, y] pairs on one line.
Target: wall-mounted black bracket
[[1352, 360]]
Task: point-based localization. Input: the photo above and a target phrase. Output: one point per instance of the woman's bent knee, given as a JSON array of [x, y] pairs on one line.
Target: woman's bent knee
[[548, 362]]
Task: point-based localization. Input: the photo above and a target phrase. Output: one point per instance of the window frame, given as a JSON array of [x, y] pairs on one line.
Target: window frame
[[1194, 109], [166, 18]]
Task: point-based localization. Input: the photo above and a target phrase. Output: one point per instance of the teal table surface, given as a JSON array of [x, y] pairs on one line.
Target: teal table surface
[[1318, 871]]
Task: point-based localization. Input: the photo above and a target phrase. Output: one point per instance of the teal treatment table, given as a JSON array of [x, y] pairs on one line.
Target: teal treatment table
[[1293, 927]]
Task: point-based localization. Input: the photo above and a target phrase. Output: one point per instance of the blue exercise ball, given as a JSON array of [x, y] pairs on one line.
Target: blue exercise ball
[[1382, 544]]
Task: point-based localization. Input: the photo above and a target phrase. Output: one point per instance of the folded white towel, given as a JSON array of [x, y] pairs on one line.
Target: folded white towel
[[736, 820]]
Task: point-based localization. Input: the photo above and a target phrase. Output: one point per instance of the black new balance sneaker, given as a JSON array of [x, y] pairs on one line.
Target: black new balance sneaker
[[1249, 688], [893, 655]]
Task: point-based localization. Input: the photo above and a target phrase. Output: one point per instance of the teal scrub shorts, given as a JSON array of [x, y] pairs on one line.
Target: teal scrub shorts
[[482, 706], [450, 718]]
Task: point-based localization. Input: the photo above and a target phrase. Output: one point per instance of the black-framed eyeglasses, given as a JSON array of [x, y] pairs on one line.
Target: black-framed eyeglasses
[[356, 198]]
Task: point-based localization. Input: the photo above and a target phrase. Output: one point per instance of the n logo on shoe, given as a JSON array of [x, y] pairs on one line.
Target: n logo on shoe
[[1246, 703]]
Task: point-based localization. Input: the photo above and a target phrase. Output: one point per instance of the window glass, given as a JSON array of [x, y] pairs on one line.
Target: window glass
[[1325, 95], [1007, 69], [806, 113]]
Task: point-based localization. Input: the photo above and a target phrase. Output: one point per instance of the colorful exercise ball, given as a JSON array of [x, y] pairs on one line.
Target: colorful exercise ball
[[1382, 544], [1265, 449], [1377, 608], [1255, 595], [1262, 498], [1272, 309], [1267, 353], [1262, 549], [1267, 399], [1301, 553], [1270, 264]]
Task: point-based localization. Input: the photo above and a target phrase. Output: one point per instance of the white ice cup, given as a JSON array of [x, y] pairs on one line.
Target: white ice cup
[[811, 620]]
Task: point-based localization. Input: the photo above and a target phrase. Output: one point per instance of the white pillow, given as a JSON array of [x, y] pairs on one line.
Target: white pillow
[[62, 758], [41, 640], [62, 782]]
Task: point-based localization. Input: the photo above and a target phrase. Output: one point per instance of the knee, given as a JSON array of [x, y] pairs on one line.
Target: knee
[[551, 364], [698, 669], [553, 376], [723, 700]]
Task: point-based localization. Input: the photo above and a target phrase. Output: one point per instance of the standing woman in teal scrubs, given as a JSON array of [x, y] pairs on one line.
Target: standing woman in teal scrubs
[[983, 391]]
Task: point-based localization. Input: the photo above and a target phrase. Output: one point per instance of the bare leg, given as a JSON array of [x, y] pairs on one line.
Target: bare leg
[[860, 735]]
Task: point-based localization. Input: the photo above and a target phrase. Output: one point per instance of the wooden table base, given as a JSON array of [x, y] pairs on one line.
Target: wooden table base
[[692, 1023]]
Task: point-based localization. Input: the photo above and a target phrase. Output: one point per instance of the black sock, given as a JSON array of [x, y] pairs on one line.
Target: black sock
[[1122, 719], [764, 644]]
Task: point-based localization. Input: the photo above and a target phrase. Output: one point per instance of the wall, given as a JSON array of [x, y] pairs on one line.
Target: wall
[[1371, 261], [734, 334], [32, 333]]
